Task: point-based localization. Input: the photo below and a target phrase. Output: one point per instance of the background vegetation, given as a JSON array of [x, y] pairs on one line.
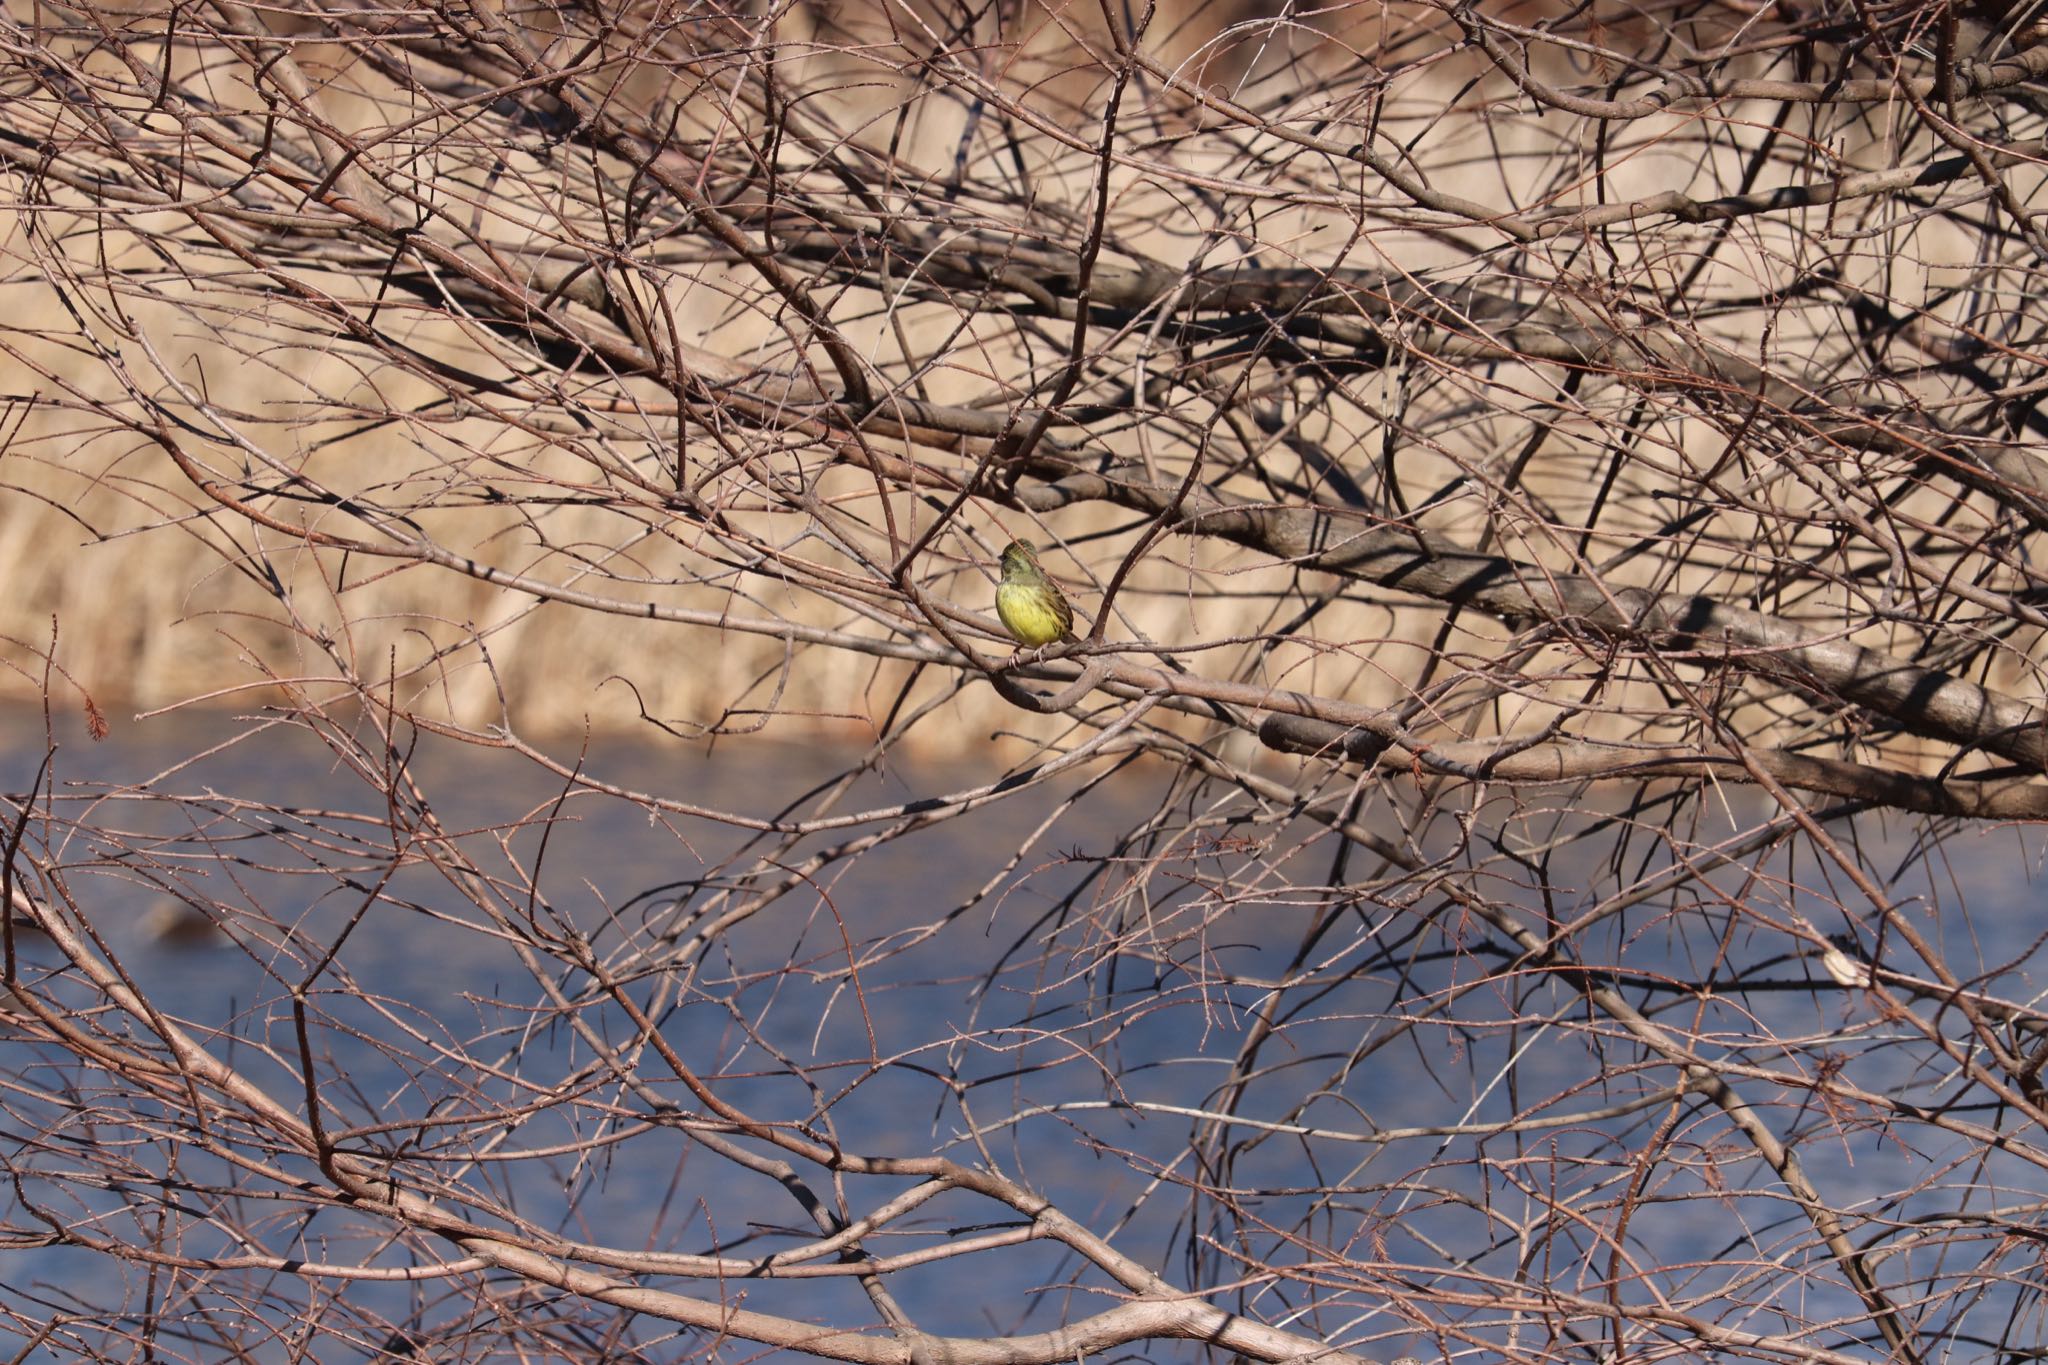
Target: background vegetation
[[1553, 493]]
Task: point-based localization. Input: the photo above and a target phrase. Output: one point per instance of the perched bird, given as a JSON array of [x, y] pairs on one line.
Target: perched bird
[[1030, 604]]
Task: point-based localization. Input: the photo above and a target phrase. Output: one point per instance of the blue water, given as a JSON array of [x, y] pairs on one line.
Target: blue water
[[996, 1004]]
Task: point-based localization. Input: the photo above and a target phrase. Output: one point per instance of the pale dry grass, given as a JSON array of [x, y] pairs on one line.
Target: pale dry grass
[[160, 601]]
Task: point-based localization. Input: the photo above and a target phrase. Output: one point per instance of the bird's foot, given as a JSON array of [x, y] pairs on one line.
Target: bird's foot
[[1020, 657]]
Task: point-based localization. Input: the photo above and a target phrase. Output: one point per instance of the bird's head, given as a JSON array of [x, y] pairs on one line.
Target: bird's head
[[1019, 557]]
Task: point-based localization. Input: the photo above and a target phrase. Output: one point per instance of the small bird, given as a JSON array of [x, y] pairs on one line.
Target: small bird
[[1031, 605]]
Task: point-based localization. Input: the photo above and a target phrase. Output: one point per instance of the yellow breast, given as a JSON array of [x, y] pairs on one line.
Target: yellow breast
[[1035, 615]]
